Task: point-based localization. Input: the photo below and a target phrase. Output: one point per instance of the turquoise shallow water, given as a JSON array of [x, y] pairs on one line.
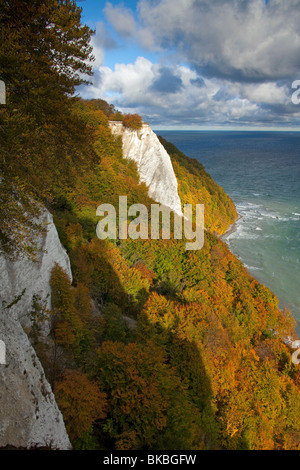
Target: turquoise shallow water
[[261, 173]]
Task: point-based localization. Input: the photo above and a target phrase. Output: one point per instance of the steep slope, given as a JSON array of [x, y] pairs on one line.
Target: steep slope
[[29, 415], [205, 363], [206, 366]]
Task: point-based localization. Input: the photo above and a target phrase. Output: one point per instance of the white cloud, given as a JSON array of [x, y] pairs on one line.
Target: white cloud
[[137, 87]]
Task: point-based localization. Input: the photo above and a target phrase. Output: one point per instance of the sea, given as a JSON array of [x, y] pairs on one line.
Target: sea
[[260, 171]]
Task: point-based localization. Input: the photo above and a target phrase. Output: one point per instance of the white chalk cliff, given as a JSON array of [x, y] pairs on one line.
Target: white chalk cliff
[[29, 416], [153, 163]]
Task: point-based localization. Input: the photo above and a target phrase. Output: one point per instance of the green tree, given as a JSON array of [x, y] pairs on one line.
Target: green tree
[[69, 329]]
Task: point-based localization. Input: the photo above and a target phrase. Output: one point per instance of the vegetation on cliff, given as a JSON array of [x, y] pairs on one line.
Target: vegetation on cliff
[[195, 184]]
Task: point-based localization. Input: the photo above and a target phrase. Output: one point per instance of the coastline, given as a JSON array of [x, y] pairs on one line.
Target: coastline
[[223, 238]]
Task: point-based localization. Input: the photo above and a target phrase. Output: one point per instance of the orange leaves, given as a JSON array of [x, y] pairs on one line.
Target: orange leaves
[[157, 307], [130, 277], [83, 303], [196, 186], [100, 265], [213, 357], [63, 334], [74, 234]]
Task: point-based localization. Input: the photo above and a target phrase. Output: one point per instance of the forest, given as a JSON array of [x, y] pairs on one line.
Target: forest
[[151, 346]]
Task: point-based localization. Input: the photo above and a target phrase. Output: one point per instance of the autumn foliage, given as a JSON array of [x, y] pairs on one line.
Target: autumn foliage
[[185, 348], [202, 363], [132, 121]]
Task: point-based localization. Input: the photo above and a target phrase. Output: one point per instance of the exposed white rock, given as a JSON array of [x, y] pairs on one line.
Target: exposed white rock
[[29, 415], [153, 163], [33, 277]]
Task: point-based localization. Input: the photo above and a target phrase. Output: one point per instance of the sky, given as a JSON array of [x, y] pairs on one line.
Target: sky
[[197, 64]]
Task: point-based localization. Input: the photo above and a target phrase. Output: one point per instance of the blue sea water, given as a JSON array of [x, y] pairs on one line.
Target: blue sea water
[[260, 171]]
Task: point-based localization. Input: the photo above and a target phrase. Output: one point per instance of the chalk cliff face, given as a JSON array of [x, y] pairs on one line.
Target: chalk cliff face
[[29, 415], [153, 163]]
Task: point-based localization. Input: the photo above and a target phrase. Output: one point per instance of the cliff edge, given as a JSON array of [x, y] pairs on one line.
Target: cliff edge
[[29, 416]]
